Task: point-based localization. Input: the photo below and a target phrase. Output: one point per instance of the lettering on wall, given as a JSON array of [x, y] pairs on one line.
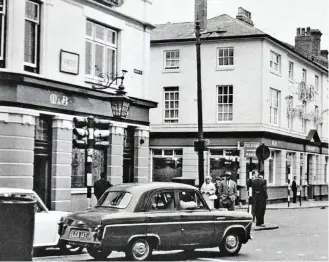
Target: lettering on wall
[[69, 62], [60, 100]]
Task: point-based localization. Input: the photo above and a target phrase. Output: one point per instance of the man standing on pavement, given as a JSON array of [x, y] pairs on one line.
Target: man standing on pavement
[[227, 192], [294, 190], [253, 176], [259, 195], [100, 186]]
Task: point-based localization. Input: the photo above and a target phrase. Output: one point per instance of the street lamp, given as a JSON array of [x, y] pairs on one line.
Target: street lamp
[[120, 102]]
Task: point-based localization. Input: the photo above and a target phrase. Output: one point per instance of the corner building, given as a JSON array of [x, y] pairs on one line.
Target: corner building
[[52, 53], [255, 89]]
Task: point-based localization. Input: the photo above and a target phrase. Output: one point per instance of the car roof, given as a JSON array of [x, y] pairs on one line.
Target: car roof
[[142, 187], [15, 190]]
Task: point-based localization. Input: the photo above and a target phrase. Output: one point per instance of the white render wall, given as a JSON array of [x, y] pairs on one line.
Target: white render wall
[[63, 24], [251, 79]]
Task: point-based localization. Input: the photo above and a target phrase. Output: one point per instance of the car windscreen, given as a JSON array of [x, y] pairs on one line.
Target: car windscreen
[[115, 199]]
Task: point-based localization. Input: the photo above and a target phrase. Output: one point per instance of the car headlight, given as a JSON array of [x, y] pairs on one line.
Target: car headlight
[[98, 232]]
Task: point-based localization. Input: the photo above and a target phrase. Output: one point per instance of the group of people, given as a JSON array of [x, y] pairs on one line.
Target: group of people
[[222, 194]]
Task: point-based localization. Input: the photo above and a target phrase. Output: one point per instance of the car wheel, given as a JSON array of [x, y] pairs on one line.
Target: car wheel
[[69, 249], [99, 254], [231, 243], [139, 250]]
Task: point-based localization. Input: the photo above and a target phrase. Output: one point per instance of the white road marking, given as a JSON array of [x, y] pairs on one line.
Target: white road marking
[[209, 259], [301, 255], [258, 249], [316, 235], [279, 252], [323, 257], [299, 234]]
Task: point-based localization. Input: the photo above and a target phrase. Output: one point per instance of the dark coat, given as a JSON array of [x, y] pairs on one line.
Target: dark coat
[[259, 189], [100, 186], [294, 186]]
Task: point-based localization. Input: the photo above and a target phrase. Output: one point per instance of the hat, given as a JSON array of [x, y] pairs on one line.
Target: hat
[[227, 173], [218, 178], [208, 177]]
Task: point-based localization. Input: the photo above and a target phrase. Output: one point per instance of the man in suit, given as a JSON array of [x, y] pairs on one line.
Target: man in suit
[[294, 189], [259, 195], [227, 192], [254, 175], [101, 185]]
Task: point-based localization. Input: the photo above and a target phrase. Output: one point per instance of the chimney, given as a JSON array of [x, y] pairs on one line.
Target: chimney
[[201, 13], [245, 16], [324, 53], [307, 42]]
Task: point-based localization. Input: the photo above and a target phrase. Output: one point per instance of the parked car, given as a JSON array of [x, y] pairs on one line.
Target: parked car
[[138, 218], [46, 222]]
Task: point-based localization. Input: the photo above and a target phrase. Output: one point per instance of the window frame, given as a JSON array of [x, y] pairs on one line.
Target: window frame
[[177, 59], [227, 95], [37, 24], [273, 159], [272, 108], [304, 75], [316, 83], [278, 63], [3, 18], [229, 48], [174, 91], [291, 70], [106, 45], [162, 191], [303, 120], [290, 117], [197, 193]]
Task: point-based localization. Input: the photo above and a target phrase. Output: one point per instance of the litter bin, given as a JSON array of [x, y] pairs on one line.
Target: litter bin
[[189, 181], [16, 228]]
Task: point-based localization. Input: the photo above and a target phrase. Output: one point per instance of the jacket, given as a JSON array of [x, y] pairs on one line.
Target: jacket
[[227, 190]]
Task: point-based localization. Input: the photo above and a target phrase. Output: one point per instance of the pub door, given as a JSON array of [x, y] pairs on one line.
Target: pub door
[[42, 158], [309, 177], [128, 155]]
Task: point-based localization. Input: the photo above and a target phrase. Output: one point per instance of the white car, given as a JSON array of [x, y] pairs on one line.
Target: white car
[[46, 221]]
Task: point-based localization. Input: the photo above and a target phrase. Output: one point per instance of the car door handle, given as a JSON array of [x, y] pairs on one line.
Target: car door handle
[[220, 218]]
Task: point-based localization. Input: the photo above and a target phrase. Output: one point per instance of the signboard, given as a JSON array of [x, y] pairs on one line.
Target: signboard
[[262, 152], [138, 72], [69, 63], [250, 149]]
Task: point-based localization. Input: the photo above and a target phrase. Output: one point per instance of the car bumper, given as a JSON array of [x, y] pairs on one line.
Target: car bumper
[[81, 237]]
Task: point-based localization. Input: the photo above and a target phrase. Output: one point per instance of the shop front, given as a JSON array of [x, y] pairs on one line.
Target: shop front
[[36, 149]]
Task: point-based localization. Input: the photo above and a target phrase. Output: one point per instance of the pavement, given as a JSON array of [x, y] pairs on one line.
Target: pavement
[[276, 206]]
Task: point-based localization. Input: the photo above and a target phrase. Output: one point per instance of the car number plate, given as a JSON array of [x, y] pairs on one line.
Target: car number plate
[[79, 234]]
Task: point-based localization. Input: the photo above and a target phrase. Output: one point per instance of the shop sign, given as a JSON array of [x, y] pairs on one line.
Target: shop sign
[[69, 63], [250, 149], [58, 99], [138, 72], [312, 149]]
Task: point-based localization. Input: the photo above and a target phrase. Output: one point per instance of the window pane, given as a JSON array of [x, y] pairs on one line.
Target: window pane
[[230, 61], [111, 62], [31, 11], [89, 29], [166, 105], [89, 58], [111, 36], [99, 58], [176, 96], [231, 52], [172, 96], [220, 52], [225, 61], [100, 32], [30, 38], [167, 55], [221, 61], [225, 52]]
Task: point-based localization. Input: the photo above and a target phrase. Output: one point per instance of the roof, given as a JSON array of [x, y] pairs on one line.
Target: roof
[[231, 26], [142, 187]]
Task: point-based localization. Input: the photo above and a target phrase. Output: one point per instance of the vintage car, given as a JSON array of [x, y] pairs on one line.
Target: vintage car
[[138, 218], [46, 222]]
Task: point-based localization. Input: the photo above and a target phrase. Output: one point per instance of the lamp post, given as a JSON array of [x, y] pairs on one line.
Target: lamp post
[[201, 145]]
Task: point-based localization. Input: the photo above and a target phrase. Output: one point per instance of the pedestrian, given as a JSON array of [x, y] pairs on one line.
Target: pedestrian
[[259, 195], [294, 190], [254, 174], [217, 185], [101, 185], [207, 190], [227, 192]]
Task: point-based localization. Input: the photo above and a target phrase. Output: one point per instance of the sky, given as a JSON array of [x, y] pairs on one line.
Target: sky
[[278, 18]]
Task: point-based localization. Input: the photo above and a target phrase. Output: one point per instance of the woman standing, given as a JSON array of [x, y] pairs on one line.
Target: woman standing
[[207, 190]]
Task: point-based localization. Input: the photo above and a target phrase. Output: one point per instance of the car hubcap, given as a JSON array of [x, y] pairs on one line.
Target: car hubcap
[[231, 242], [140, 249]]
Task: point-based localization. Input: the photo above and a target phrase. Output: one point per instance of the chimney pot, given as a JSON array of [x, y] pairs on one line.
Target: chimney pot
[[303, 31], [298, 31], [245, 16], [308, 30]]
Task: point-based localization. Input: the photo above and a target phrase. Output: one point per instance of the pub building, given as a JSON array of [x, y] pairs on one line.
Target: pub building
[[79, 65]]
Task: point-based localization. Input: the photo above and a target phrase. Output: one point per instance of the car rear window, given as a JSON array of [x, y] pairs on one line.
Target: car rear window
[[115, 199]]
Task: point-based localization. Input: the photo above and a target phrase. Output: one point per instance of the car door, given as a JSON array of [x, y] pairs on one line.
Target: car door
[[163, 218], [197, 222]]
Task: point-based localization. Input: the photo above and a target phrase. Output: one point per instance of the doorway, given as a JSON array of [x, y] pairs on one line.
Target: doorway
[[42, 158], [309, 177], [128, 155]]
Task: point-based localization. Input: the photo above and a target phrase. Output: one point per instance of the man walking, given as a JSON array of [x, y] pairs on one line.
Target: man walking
[[294, 190], [100, 186], [227, 192], [254, 175], [259, 195]]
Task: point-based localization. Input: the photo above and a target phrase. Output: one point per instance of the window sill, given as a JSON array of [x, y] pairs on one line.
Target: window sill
[[170, 71], [225, 122], [170, 123], [275, 73], [225, 68]]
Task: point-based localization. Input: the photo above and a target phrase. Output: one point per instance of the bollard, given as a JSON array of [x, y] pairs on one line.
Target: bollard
[[288, 195]]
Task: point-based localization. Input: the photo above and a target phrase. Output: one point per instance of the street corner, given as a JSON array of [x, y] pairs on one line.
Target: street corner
[[264, 227]]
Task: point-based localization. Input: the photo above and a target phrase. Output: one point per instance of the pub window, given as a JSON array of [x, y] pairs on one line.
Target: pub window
[[32, 36], [2, 32], [167, 164], [224, 160]]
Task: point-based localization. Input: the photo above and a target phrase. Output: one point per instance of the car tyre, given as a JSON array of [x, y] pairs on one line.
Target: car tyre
[[231, 243], [99, 254], [139, 250], [69, 249]]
